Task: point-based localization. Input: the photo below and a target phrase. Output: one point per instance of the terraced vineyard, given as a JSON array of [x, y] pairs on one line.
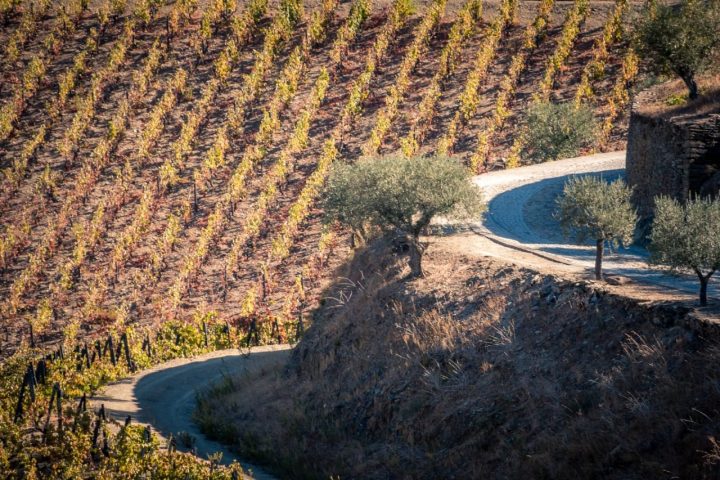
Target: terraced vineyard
[[158, 157], [162, 161]]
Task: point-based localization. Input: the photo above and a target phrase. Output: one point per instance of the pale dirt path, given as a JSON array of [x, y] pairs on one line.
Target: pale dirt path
[[164, 396], [518, 227]]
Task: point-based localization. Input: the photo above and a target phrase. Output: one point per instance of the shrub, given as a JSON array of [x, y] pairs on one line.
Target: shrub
[[591, 208], [401, 195], [687, 237], [558, 130]]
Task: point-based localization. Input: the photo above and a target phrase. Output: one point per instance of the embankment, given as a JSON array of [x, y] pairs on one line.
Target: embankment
[[481, 370]]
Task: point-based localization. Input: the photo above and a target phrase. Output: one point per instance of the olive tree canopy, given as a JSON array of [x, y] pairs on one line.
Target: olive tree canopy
[[591, 208], [681, 39], [401, 195], [687, 237]]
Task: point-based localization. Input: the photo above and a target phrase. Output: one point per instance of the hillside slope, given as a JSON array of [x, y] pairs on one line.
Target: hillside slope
[[481, 370], [162, 167]]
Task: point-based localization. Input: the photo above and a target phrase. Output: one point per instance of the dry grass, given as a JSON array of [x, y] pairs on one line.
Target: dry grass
[[669, 99], [492, 372]]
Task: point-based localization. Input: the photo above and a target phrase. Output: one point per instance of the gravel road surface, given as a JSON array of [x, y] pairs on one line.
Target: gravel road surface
[[164, 396], [519, 226]]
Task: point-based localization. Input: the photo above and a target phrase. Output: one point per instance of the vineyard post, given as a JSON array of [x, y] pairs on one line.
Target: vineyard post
[[55, 397], [146, 347], [131, 363], [224, 284], [81, 408], [300, 326], [27, 382], [32, 381], [252, 331], [227, 332], [41, 372], [167, 33], [147, 438], [98, 353], [109, 347], [96, 431], [275, 328]]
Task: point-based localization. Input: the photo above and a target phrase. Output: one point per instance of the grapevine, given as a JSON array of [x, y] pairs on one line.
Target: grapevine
[[469, 99], [29, 23], [358, 92], [285, 87], [570, 31], [53, 107], [153, 129], [37, 66], [394, 97], [595, 69], [619, 96], [463, 26], [509, 83], [84, 182]]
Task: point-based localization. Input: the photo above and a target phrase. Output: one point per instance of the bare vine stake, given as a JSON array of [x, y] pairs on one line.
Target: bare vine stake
[[28, 381], [55, 398], [81, 408], [41, 372], [300, 327]]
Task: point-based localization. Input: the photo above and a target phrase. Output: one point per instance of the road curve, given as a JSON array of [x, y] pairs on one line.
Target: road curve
[[519, 226], [164, 396]]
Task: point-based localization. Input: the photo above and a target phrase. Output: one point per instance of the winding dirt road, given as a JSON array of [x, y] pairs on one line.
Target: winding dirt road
[[519, 227], [164, 396]]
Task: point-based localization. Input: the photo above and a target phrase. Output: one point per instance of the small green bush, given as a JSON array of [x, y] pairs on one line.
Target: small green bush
[[558, 130]]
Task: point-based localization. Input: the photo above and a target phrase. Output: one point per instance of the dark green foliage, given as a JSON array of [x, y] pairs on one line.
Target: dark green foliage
[[401, 195], [558, 130], [687, 237], [683, 39]]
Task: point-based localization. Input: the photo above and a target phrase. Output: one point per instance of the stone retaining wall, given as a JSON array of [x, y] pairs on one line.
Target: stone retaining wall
[[677, 156]]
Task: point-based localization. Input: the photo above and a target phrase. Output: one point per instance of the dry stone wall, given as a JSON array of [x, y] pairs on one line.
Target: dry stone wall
[[677, 156]]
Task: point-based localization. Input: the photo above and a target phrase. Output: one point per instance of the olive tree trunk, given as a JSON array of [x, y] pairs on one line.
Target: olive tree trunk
[[599, 258], [691, 84], [704, 281], [416, 251]]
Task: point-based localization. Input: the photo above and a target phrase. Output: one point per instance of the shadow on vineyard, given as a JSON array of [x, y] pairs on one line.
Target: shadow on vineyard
[[481, 370]]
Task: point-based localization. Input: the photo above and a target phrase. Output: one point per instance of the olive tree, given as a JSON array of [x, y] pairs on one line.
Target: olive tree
[[591, 208], [558, 130], [681, 39], [400, 195], [687, 237]]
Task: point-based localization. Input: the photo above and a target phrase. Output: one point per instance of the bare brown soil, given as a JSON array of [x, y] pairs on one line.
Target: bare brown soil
[[481, 370], [206, 292]]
